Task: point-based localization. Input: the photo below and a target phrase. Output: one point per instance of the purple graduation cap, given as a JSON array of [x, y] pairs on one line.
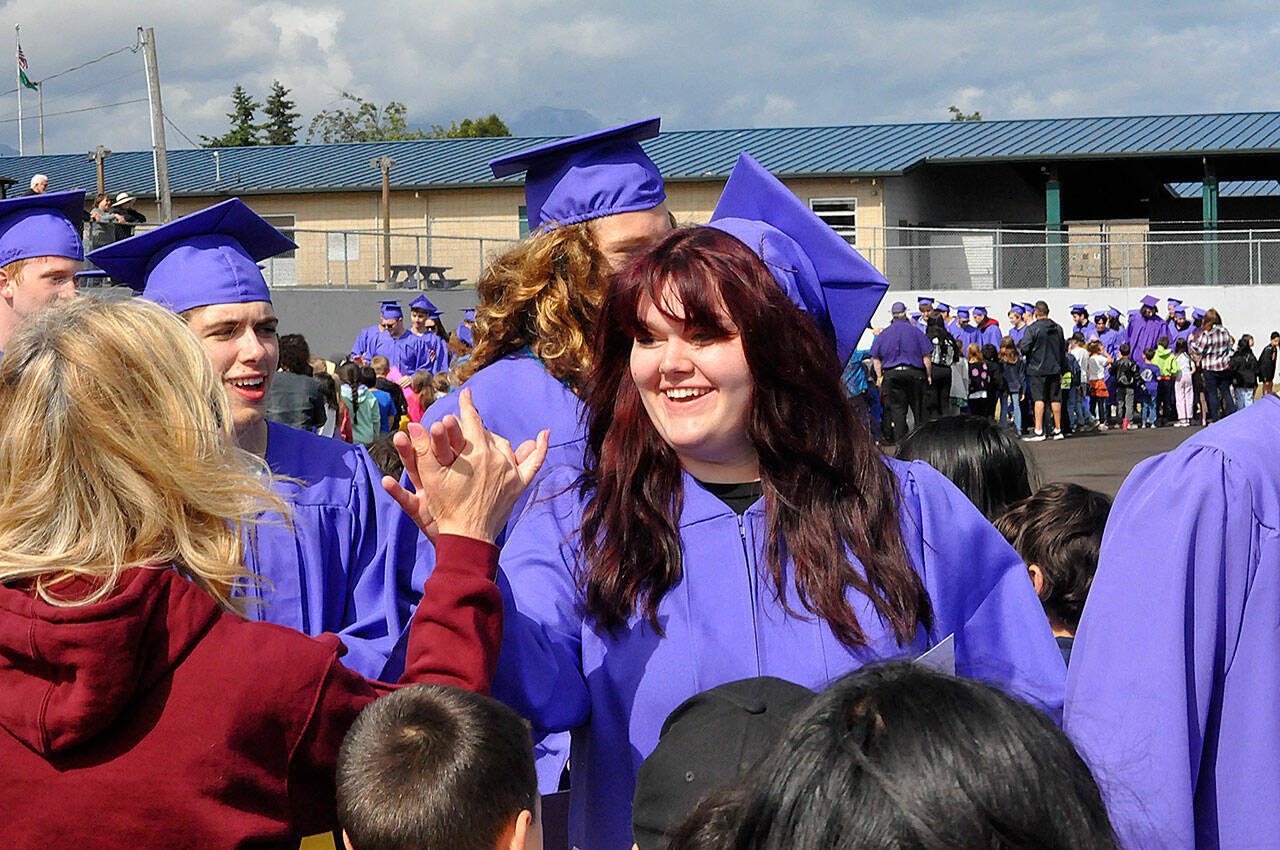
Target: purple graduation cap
[[1113, 312], [422, 303], [207, 257], [1180, 311], [962, 312], [390, 310], [945, 308], [1080, 308], [588, 176], [817, 269], [1197, 313], [979, 311], [41, 225], [913, 316], [1150, 301], [924, 301], [1173, 303], [465, 333], [1099, 314], [1017, 308], [1029, 308]]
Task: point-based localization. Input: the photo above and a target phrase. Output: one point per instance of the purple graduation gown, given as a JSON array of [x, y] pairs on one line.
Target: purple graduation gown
[[1176, 667], [410, 353], [1171, 331], [990, 335], [722, 624], [1143, 333], [966, 334], [363, 346], [1016, 334], [347, 565], [440, 348]]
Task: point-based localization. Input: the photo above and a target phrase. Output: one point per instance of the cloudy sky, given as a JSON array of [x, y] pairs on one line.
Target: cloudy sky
[[704, 64]]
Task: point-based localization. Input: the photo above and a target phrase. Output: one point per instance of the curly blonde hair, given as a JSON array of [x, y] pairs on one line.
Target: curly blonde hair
[[117, 453], [545, 292]]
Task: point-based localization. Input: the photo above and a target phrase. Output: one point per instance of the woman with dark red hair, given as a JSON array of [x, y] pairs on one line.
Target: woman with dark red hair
[[735, 518]]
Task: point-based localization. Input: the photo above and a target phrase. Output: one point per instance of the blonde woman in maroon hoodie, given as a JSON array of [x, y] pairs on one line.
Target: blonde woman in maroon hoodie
[[136, 708]]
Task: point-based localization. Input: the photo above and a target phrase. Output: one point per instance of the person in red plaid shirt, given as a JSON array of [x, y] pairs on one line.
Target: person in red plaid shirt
[[1211, 348]]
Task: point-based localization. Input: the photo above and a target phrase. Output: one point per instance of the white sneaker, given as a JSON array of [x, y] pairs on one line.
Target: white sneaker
[[1036, 437], [1058, 435], [1102, 426]]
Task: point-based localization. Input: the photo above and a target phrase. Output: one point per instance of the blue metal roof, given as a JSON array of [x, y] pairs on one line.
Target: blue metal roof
[[1229, 189], [869, 150]]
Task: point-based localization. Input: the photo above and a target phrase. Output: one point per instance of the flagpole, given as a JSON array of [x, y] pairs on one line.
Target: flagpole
[[17, 47]]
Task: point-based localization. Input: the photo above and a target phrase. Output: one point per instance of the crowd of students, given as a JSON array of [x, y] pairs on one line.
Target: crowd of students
[[1151, 373], [641, 503]]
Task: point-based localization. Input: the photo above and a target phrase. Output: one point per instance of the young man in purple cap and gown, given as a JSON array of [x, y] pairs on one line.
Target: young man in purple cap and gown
[[1179, 327], [1145, 328], [921, 319], [965, 333], [614, 688], [424, 320], [989, 332], [40, 253], [1176, 666], [346, 562], [408, 353], [1017, 322], [596, 197]]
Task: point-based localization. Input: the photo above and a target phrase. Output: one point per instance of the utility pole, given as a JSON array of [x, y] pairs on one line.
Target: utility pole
[[159, 154], [40, 93], [384, 164], [99, 156], [17, 51]]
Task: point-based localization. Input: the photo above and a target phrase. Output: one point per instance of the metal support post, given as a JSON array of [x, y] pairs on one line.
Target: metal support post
[[384, 164], [159, 154], [1053, 230]]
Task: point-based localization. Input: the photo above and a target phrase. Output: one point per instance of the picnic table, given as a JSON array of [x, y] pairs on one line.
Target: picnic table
[[416, 276]]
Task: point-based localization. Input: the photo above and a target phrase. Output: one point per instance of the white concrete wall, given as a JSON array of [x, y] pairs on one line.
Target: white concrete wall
[[1254, 310]]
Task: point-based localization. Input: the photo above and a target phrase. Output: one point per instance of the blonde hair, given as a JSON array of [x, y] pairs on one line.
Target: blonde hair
[[14, 269], [974, 353], [116, 452], [545, 291]]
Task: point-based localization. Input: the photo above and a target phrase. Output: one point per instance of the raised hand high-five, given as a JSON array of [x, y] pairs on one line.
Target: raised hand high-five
[[466, 480]]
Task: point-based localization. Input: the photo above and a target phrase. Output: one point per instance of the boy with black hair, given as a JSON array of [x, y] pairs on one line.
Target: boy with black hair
[[1149, 376], [431, 767], [1125, 372], [1057, 531]]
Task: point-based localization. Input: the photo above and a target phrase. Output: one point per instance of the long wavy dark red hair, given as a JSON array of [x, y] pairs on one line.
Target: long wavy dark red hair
[[828, 491]]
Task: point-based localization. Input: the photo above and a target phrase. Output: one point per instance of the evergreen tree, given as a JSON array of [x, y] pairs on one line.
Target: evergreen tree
[[468, 129], [281, 127], [243, 131]]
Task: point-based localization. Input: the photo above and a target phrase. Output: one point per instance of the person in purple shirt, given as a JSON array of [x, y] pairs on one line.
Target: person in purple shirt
[[1079, 320], [426, 324], [407, 352], [901, 356], [965, 333], [921, 319], [944, 310], [1146, 328], [1017, 322], [1175, 668], [1179, 327], [1102, 331], [688, 554]]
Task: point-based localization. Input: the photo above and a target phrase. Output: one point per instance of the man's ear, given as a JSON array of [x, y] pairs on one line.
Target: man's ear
[[1037, 577], [7, 284]]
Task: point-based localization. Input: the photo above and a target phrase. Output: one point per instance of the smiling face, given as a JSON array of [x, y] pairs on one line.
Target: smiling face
[[419, 319], [696, 388], [242, 344]]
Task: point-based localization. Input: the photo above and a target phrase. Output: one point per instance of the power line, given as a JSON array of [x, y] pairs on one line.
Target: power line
[[84, 109], [132, 49], [180, 133]]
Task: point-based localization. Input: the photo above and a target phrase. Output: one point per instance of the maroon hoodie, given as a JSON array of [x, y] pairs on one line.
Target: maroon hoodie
[[152, 719]]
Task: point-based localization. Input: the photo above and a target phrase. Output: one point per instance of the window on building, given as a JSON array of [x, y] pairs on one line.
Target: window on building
[[285, 224], [524, 221], [840, 213]]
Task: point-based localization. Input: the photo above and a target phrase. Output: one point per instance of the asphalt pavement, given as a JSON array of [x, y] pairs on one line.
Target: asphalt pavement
[[1100, 460]]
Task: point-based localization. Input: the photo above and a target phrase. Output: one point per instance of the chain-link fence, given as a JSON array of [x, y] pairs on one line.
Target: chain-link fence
[[954, 258]]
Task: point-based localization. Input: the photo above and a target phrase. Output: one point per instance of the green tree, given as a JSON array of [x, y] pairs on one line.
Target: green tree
[[359, 120], [468, 129], [957, 115], [281, 127], [243, 131]]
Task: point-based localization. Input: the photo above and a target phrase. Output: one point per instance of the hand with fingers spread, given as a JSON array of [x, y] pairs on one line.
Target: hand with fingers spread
[[466, 479]]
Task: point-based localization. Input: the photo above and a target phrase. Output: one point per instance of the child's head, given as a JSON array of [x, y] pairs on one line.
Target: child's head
[[984, 459], [1077, 338], [381, 366], [1180, 347], [437, 768], [1125, 350], [1148, 353], [1095, 347], [988, 352], [1162, 342], [1057, 531]]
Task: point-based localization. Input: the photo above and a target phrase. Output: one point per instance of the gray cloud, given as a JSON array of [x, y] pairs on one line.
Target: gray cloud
[[711, 64]]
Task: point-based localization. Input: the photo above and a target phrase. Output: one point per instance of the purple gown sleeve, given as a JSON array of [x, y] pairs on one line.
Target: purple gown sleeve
[[980, 592], [1164, 699]]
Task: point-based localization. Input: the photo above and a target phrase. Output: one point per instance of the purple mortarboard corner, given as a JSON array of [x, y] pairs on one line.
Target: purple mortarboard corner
[[1029, 308], [1197, 314], [1150, 301], [1112, 311], [390, 310], [207, 257], [945, 308], [814, 265], [1099, 314], [979, 311], [421, 303], [1174, 302], [42, 225], [962, 312], [1180, 311], [1080, 308], [923, 300], [588, 176], [913, 316], [469, 314], [465, 334], [1017, 308]]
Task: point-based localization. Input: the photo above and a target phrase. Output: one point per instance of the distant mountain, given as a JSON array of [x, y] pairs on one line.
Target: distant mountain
[[550, 121], [5, 150]]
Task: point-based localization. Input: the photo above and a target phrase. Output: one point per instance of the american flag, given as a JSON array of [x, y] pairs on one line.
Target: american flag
[[22, 60]]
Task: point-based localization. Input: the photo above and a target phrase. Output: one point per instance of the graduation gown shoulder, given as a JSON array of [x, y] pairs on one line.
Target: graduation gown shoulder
[[1175, 668]]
